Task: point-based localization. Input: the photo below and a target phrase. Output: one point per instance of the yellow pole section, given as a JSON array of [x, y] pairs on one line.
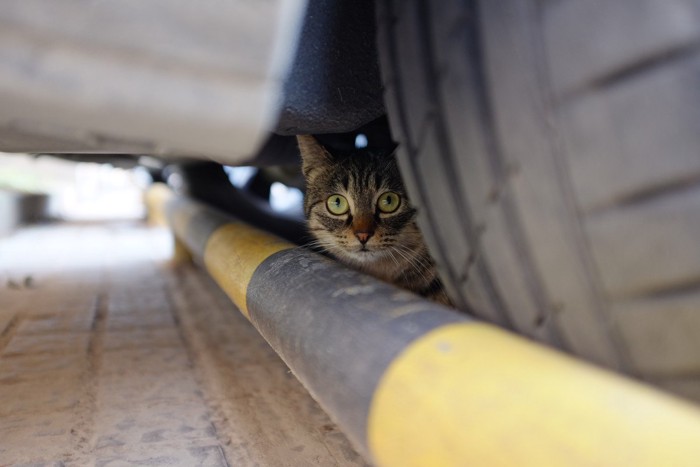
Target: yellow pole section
[[473, 395], [233, 253]]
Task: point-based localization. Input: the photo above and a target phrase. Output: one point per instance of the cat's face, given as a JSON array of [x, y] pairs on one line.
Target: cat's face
[[356, 206]]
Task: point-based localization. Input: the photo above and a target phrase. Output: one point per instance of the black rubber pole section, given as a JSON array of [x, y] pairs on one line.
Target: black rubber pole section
[[333, 349]]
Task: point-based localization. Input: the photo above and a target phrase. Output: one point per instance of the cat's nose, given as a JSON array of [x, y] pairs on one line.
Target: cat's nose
[[363, 236]]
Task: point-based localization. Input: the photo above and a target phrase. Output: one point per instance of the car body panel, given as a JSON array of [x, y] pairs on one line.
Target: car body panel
[[170, 78]]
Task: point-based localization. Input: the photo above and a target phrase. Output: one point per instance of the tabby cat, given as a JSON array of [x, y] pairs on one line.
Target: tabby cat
[[358, 211]]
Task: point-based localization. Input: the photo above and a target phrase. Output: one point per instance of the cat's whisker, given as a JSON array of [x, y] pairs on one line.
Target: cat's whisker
[[400, 251], [412, 268], [393, 258], [411, 254], [416, 263], [422, 259], [321, 244], [312, 244]]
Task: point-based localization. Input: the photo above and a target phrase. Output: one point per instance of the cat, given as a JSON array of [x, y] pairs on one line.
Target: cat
[[358, 211]]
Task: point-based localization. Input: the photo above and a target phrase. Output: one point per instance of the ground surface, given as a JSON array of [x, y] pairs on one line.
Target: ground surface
[[111, 355]]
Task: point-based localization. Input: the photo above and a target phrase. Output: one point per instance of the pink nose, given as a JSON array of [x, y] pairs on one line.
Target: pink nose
[[363, 236]]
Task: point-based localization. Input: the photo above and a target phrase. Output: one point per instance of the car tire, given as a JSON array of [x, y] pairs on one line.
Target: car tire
[[552, 149]]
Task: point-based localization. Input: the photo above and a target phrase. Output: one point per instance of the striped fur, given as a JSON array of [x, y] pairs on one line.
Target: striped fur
[[395, 251]]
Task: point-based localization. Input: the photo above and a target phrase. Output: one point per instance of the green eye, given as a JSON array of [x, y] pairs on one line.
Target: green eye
[[337, 204], [389, 202]]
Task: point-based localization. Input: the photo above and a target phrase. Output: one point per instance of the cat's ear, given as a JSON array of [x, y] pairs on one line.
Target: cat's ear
[[313, 155]]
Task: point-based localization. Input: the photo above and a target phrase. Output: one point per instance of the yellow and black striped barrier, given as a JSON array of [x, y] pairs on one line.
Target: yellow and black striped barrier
[[413, 383]]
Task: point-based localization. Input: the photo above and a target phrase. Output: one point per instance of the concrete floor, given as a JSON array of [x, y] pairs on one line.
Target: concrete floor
[[112, 355]]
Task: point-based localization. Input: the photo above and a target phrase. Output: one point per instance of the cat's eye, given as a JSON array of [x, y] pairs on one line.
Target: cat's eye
[[337, 204], [389, 202]]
